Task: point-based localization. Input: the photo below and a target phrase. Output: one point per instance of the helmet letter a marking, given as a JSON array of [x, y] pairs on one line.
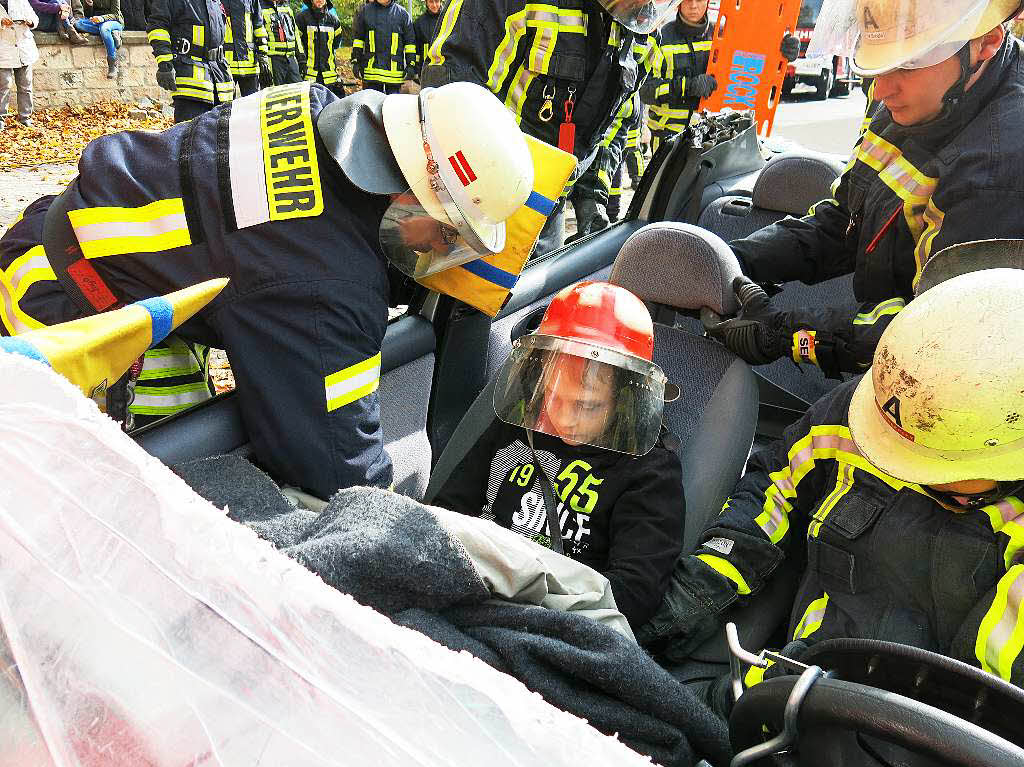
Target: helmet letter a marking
[[892, 409], [869, 19]]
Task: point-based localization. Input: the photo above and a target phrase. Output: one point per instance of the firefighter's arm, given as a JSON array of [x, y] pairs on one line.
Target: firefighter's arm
[[409, 48], [336, 40], [300, 42], [992, 636], [159, 25], [809, 249], [468, 42], [657, 89], [764, 520], [359, 49], [259, 30], [596, 181]]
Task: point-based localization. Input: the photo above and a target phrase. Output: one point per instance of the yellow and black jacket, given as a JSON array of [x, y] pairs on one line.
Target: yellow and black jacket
[[319, 38], [246, 191], [384, 43], [244, 36], [282, 33], [683, 52], [188, 36], [907, 193], [537, 57], [879, 558]]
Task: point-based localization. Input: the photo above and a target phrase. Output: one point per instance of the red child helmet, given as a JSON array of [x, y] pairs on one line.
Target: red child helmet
[[586, 375]]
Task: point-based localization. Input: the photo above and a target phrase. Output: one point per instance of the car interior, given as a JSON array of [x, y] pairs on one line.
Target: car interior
[[439, 360]]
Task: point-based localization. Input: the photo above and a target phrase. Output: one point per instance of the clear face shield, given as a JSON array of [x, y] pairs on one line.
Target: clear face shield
[[882, 35], [640, 16], [419, 243], [582, 393]]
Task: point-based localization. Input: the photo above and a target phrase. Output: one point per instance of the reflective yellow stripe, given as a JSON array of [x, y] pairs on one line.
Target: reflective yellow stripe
[[549, 20], [822, 443], [168, 400], [108, 231], [844, 481], [892, 306], [1001, 635], [174, 359], [662, 90], [755, 674], [726, 568], [812, 617], [163, 57], [26, 270], [1007, 518], [159, 34], [933, 218], [352, 383], [358, 43], [602, 176], [447, 25], [199, 34], [373, 41]]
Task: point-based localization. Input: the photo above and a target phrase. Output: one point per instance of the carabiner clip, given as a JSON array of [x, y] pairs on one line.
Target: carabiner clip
[[547, 109]]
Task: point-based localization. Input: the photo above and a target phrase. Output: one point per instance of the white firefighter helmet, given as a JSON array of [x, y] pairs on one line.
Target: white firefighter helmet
[[944, 399], [640, 16], [468, 167], [883, 35]]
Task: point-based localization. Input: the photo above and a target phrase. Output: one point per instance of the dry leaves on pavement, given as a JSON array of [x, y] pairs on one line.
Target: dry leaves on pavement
[[59, 135]]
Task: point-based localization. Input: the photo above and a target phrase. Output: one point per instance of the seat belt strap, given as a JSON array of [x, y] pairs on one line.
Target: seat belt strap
[[75, 274], [547, 490]]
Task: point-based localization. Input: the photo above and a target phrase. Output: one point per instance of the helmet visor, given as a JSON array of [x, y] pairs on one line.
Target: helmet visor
[[882, 35], [460, 231], [418, 245], [640, 16], [581, 393]]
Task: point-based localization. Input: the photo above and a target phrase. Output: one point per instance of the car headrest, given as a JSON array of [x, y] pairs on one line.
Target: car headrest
[[793, 182], [678, 265]]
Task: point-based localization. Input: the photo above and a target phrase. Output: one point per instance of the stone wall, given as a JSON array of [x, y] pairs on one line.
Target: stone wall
[[77, 74]]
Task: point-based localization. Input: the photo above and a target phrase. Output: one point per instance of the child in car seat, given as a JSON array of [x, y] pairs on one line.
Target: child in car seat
[[579, 406]]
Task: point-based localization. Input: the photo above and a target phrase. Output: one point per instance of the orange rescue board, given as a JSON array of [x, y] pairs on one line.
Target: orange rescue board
[[745, 57]]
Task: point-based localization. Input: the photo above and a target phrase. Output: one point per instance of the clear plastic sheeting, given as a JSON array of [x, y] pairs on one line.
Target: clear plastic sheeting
[[139, 626]]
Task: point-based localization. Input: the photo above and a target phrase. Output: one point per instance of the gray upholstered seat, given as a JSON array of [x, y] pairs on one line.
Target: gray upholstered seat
[[685, 268], [788, 186]]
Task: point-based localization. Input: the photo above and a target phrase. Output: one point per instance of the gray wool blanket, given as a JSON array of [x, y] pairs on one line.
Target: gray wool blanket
[[390, 552]]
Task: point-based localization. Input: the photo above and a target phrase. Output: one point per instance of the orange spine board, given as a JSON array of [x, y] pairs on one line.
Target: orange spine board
[[745, 57]]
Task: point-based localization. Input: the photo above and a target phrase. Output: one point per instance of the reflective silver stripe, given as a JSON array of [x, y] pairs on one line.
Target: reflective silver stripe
[[245, 160], [172, 398], [169, 223]]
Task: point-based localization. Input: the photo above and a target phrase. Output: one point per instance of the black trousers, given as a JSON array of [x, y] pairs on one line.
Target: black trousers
[[382, 87], [286, 70], [247, 84], [186, 109]]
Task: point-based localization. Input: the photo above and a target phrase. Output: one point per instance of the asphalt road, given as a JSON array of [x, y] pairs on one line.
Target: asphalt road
[[825, 126]]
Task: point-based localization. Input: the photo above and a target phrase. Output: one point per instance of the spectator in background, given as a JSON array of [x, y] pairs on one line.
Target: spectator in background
[[319, 34], [425, 28], [104, 20], [18, 53], [282, 41], [56, 16], [384, 46]]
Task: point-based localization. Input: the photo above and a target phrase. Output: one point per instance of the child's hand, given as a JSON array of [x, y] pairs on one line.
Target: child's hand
[[6, 22], [95, 19]]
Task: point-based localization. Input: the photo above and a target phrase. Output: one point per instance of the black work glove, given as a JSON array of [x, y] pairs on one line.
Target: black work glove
[[357, 70], [590, 217], [754, 335], [412, 71], [790, 48], [700, 86], [165, 78]]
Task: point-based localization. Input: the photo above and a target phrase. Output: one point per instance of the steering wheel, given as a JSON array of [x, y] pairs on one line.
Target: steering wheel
[[889, 704]]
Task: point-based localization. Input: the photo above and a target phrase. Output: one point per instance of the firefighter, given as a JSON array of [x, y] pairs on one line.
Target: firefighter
[[187, 37], [383, 46], [245, 43], [900, 493], [679, 80], [282, 42], [568, 71], [319, 33], [425, 29], [300, 199], [938, 165]]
